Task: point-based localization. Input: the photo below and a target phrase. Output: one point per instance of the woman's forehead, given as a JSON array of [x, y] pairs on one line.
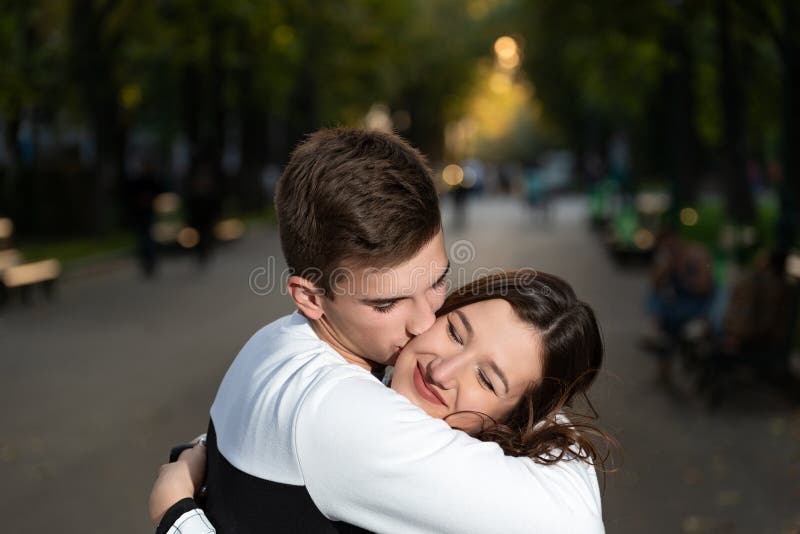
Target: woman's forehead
[[490, 314]]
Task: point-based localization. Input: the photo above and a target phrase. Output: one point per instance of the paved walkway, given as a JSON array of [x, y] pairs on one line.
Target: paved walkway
[[96, 385]]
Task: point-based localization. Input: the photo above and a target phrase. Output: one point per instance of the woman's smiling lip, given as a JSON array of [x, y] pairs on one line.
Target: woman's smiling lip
[[425, 390]]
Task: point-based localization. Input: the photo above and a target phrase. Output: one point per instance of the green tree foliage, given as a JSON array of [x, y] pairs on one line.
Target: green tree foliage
[[242, 75], [701, 86]]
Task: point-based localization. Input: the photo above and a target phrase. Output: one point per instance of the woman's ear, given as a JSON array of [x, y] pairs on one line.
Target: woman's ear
[[306, 296]]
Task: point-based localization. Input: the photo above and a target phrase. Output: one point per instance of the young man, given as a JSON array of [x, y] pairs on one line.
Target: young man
[[302, 436]]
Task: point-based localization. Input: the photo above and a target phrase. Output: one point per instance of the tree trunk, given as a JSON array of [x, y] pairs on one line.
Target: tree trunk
[[427, 128], [741, 207], [216, 141], [94, 52], [9, 199], [679, 92], [190, 106], [303, 112], [790, 191], [253, 124]]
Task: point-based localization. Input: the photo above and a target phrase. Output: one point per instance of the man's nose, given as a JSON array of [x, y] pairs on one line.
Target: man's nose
[[422, 318]]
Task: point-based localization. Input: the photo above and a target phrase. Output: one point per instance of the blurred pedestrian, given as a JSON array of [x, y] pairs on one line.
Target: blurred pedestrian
[[757, 325], [460, 194], [203, 205], [537, 194], [682, 291], [141, 192]]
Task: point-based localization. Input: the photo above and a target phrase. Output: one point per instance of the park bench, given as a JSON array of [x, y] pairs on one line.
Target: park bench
[[16, 276]]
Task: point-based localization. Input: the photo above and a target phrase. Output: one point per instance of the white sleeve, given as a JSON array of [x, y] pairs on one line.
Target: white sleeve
[[371, 458]]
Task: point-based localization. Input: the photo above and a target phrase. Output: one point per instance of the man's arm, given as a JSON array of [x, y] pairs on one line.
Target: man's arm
[[371, 458]]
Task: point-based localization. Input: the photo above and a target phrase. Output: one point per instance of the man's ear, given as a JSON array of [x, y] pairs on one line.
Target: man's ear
[[307, 296]]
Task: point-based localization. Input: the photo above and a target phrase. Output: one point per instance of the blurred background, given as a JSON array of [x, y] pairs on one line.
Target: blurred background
[[649, 152]]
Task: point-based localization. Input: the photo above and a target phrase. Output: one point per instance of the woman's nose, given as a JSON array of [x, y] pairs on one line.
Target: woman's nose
[[444, 371]]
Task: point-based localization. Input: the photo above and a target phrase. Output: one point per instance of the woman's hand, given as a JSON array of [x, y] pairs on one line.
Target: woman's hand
[[177, 480]]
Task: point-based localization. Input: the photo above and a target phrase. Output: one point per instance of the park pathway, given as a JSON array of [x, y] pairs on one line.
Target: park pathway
[[96, 385]]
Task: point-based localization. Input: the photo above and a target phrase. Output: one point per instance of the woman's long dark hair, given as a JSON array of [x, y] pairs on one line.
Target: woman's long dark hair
[[543, 425]]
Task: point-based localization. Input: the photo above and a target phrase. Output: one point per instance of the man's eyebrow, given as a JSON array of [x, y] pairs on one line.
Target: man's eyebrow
[[499, 373]]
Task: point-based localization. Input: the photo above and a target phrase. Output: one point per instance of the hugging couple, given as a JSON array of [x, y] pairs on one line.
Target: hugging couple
[[471, 434]]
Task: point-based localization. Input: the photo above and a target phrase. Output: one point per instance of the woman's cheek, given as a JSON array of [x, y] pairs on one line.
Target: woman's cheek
[[478, 401]]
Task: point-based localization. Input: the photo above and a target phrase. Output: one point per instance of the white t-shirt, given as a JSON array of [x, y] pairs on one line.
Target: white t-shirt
[[292, 410]]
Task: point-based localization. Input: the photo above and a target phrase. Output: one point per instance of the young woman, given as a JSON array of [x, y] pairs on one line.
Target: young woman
[[504, 361]]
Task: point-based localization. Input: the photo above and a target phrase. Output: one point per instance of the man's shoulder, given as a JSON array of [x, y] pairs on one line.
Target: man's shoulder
[[284, 357], [256, 406], [283, 340], [292, 330]]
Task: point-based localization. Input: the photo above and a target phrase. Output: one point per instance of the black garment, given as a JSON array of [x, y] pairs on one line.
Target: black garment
[[239, 503]]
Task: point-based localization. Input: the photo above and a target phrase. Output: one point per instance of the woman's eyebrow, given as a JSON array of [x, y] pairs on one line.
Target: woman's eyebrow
[[464, 320]]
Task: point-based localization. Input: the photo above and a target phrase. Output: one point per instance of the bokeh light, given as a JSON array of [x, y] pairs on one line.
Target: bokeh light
[[644, 239], [166, 203], [6, 228], [505, 47], [689, 216], [188, 237], [378, 118], [793, 265], [229, 230], [453, 175], [131, 96]]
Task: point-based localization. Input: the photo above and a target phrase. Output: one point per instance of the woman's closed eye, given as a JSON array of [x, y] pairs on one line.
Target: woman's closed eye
[[483, 379]]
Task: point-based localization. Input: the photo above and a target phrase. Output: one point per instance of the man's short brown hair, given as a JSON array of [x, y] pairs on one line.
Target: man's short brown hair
[[354, 198]]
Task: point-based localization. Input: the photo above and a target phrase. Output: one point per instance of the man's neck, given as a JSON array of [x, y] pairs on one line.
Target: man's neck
[[326, 334]]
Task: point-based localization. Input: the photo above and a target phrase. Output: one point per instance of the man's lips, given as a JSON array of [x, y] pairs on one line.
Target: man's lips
[[425, 390]]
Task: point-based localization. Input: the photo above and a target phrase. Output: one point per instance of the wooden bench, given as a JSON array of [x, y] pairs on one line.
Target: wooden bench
[[20, 277]]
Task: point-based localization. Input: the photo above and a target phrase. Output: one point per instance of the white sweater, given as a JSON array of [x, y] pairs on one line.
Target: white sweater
[[292, 410]]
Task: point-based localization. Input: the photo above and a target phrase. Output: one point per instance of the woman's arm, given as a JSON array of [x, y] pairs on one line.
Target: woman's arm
[[172, 506]]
